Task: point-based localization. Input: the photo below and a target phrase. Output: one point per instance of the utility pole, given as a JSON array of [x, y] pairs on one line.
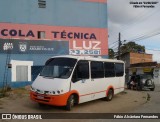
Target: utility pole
[[119, 46]]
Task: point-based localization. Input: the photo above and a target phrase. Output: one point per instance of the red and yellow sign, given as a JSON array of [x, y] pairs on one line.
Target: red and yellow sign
[[147, 69]]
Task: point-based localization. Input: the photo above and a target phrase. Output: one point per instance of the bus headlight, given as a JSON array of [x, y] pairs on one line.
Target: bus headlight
[[58, 92]]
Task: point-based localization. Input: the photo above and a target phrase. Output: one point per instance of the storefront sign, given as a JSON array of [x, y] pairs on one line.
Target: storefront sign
[[147, 69], [80, 40]]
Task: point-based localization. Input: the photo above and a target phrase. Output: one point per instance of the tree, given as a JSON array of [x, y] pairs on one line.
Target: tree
[[132, 47], [111, 53]]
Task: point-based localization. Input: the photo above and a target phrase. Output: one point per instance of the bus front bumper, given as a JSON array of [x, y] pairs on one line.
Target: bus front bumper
[[57, 100]]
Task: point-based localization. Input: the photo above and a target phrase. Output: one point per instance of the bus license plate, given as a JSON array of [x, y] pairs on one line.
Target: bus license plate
[[40, 97]]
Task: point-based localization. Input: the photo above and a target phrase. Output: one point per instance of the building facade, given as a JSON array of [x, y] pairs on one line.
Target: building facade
[[131, 58], [150, 68], [31, 31]]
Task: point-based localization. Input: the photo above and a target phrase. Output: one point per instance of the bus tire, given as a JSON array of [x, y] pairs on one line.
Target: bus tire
[[70, 103], [109, 95]]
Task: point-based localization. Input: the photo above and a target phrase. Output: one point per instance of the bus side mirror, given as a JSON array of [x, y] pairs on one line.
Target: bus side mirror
[[74, 80], [81, 72], [76, 77]]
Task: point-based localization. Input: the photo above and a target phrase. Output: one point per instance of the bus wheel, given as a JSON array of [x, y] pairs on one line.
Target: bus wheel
[[109, 95], [70, 103]]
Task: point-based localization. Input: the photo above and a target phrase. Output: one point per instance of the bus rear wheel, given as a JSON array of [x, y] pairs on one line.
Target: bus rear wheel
[[70, 103], [109, 95]]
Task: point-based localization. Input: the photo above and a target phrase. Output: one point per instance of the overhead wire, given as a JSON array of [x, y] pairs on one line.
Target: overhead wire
[[137, 18], [145, 36]]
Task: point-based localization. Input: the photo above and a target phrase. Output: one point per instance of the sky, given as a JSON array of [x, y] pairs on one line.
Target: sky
[[141, 25]]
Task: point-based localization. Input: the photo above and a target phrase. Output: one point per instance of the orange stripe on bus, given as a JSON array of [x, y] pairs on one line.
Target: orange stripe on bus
[[101, 91], [92, 93]]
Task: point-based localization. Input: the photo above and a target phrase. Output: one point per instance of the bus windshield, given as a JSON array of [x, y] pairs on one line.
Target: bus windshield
[[58, 68]]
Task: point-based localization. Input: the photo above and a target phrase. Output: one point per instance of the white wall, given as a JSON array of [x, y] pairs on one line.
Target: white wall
[[15, 63], [156, 75], [139, 71]]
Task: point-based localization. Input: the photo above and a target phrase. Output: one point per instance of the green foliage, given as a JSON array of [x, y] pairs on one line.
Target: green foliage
[[132, 47], [111, 53]]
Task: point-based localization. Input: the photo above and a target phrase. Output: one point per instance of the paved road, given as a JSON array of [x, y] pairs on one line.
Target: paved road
[[153, 105], [120, 103]]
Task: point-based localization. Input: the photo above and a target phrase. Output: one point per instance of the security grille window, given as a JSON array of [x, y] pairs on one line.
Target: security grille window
[[97, 70], [42, 3], [119, 69], [41, 35], [21, 73], [109, 69]]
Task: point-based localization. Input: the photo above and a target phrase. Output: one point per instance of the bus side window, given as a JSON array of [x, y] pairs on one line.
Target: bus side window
[[119, 69], [109, 69], [81, 71], [97, 69]]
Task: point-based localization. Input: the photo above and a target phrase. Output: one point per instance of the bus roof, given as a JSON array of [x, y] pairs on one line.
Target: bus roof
[[88, 58]]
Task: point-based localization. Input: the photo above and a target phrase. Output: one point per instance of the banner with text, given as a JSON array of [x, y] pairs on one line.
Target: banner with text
[[82, 40], [33, 47]]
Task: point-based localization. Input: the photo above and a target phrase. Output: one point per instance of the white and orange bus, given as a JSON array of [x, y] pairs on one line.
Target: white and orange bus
[[70, 80]]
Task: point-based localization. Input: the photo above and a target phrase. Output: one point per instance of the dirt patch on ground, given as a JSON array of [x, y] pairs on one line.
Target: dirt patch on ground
[[18, 101]]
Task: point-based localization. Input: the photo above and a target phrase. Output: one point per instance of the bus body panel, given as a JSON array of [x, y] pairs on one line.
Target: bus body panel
[[85, 89], [97, 88], [51, 84], [58, 100]]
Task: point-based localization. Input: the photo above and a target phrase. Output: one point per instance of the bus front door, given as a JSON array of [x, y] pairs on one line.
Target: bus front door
[[81, 81]]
